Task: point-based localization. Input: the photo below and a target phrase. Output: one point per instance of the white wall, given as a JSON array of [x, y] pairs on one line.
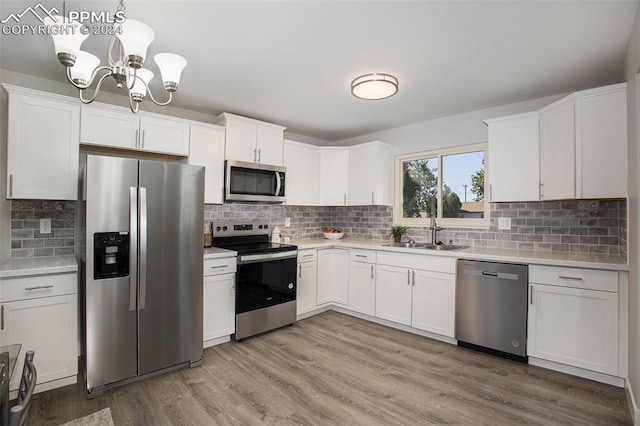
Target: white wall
[[632, 68], [455, 130]]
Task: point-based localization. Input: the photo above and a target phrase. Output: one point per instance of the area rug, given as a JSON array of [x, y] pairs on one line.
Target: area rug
[[99, 418]]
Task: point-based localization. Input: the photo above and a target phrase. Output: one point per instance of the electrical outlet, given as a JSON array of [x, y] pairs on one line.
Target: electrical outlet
[[287, 222], [504, 223], [45, 226]]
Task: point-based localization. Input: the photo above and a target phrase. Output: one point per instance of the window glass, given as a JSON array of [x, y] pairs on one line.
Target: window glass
[[450, 183], [419, 187], [463, 185]]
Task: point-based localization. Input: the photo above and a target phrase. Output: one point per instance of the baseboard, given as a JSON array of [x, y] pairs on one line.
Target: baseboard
[[580, 372], [216, 341], [53, 384], [633, 406]]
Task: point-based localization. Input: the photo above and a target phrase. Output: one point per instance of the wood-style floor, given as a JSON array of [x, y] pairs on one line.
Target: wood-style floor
[[336, 369]]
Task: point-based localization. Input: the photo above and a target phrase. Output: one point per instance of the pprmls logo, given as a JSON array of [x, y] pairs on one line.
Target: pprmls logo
[[91, 21], [39, 11]]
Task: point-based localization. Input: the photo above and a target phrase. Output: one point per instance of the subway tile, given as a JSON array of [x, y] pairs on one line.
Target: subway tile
[[21, 253], [43, 252], [588, 240]]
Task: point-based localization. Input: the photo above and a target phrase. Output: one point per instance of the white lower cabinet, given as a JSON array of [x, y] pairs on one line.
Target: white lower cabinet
[[418, 291], [433, 303], [362, 281], [573, 318], [333, 276], [41, 313], [307, 281], [218, 299], [393, 294]]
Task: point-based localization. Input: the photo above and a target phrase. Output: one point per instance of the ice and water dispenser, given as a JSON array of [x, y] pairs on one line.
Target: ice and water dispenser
[[111, 255]]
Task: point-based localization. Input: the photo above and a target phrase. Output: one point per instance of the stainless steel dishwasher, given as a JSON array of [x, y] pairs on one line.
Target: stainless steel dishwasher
[[491, 307]]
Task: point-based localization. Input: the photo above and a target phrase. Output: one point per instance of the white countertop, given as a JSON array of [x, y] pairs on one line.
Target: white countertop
[[38, 266], [215, 253], [578, 260]]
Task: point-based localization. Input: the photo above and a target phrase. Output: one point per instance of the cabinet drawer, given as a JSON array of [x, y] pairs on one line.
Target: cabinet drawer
[[307, 256], [590, 279], [366, 256], [38, 286], [418, 261], [219, 266]]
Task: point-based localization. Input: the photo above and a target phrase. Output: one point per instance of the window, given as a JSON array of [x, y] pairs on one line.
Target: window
[[449, 182]]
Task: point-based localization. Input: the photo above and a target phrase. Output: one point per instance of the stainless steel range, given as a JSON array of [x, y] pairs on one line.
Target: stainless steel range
[[265, 280]]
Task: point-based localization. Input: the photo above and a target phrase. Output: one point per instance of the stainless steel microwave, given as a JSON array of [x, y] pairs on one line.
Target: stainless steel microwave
[[246, 181]]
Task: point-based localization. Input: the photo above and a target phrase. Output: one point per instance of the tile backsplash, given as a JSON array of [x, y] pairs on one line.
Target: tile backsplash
[[585, 226], [26, 239]]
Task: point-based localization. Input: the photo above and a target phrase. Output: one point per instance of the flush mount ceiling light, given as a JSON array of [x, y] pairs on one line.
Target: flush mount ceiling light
[[374, 86], [129, 41]]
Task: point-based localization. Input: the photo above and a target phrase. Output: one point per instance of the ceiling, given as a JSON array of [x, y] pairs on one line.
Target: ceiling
[[291, 62]]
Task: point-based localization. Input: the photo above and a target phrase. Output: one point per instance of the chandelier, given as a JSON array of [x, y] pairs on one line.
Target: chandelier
[[127, 52]]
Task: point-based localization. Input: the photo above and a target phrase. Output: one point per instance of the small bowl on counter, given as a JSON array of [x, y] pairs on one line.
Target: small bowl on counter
[[333, 234]]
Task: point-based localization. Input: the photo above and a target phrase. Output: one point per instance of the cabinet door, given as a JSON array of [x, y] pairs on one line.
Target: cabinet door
[[241, 141], [370, 174], [514, 158], [557, 152], [164, 136], [434, 300], [393, 294], [334, 177], [219, 306], [49, 327], [601, 146], [303, 174], [333, 276], [574, 326], [42, 149], [107, 127], [307, 280], [206, 148], [270, 144], [362, 287]]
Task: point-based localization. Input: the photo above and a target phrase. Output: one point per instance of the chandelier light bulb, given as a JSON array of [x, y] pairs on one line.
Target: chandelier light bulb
[[67, 38], [135, 38], [82, 71], [139, 89], [171, 67]]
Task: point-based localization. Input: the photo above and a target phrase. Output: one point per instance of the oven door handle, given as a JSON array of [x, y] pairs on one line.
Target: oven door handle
[[249, 258]]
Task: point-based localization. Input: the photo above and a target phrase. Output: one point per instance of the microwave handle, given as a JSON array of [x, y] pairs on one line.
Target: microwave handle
[[278, 183]]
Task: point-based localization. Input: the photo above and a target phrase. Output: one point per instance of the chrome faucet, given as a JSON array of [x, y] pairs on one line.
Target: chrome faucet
[[433, 226]]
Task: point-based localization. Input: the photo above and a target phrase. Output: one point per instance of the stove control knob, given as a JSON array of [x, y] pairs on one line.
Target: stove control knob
[[290, 286], [224, 228], [259, 226], [218, 228], [266, 227]]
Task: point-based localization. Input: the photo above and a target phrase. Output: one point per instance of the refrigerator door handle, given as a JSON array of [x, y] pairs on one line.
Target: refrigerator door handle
[[143, 247], [133, 245]]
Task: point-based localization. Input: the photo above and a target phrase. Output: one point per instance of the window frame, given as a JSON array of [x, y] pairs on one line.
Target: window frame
[[443, 222]]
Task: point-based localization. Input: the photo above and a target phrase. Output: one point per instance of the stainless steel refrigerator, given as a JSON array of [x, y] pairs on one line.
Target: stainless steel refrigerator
[[142, 268]]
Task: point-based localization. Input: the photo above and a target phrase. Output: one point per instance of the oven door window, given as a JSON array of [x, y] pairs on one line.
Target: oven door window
[[264, 284]]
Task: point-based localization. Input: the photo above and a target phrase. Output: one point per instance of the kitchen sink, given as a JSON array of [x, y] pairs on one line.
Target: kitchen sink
[[406, 245], [443, 247]]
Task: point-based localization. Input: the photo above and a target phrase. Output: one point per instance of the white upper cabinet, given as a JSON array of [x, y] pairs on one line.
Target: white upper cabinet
[[116, 127], [42, 146], [206, 148], [514, 162], [252, 140], [577, 150], [370, 174], [557, 151], [334, 176], [303, 173], [601, 143]]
